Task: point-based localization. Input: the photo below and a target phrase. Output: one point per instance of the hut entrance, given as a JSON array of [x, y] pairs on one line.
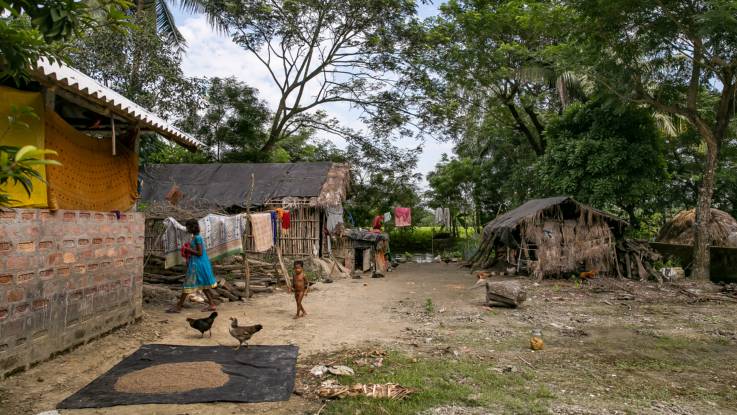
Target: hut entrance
[[362, 259]]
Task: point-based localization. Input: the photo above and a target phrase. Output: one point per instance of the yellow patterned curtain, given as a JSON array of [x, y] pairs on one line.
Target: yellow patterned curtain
[[18, 135], [91, 177]]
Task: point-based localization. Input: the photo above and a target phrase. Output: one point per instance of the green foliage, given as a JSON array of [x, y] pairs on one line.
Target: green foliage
[[17, 165], [30, 30], [230, 120], [138, 63], [429, 306], [605, 155]]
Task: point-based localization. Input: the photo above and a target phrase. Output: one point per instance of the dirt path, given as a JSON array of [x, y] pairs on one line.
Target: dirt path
[[612, 347], [343, 314]]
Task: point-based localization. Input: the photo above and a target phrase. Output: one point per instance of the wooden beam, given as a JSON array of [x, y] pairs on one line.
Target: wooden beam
[[49, 94]]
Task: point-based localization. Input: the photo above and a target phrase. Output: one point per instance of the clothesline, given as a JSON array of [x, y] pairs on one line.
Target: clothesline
[[223, 235]]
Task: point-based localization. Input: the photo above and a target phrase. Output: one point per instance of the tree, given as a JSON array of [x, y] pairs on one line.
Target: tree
[[453, 185], [31, 30], [678, 56], [319, 52], [230, 120], [491, 58], [605, 155], [137, 63], [383, 177]]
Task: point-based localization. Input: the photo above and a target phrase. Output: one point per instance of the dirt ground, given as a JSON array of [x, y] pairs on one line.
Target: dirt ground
[[612, 346]]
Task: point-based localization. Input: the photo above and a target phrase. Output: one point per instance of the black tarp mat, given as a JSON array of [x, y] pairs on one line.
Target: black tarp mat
[[227, 185], [257, 374]]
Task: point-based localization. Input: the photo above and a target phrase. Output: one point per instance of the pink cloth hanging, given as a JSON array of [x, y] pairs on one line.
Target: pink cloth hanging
[[402, 217]]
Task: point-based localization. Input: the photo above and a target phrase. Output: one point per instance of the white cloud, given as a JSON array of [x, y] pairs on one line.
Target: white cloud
[[212, 54]]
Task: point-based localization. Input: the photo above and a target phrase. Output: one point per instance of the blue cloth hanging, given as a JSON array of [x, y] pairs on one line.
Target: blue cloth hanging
[[274, 226]]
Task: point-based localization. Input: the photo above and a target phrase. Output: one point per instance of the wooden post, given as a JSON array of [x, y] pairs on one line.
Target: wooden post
[[112, 127], [246, 265], [283, 269], [49, 98]]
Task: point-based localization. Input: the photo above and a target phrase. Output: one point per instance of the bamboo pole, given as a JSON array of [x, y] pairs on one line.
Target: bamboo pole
[[246, 266]]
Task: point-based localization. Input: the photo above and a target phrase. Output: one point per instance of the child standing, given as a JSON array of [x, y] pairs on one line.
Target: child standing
[[199, 270], [300, 285]]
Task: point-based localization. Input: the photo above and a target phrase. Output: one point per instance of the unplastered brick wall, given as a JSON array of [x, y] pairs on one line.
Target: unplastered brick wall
[[65, 278]]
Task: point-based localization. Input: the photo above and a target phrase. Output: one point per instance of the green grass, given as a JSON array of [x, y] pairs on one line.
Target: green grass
[[419, 240], [464, 382]]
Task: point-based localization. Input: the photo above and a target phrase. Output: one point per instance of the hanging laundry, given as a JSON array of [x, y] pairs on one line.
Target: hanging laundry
[[335, 216], [402, 217], [350, 219], [274, 225], [286, 220], [262, 231], [222, 236], [387, 217], [377, 222], [174, 237], [447, 218], [439, 219]]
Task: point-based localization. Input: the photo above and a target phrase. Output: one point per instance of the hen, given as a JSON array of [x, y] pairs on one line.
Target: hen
[[242, 333], [203, 324]]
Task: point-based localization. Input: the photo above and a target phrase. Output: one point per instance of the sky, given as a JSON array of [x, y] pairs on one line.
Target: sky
[[213, 54]]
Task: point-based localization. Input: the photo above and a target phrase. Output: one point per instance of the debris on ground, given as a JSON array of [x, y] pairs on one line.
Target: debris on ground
[[331, 389], [337, 370]]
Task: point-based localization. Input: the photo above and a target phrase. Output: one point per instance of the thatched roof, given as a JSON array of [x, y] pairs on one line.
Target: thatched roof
[[536, 208], [228, 185], [681, 229]]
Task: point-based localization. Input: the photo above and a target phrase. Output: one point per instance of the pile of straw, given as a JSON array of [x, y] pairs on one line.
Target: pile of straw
[[681, 229]]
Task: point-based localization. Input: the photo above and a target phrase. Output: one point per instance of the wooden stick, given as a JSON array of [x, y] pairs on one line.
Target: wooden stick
[[283, 269], [246, 265]]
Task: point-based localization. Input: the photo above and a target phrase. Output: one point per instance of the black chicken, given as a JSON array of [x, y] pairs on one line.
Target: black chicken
[[203, 324]]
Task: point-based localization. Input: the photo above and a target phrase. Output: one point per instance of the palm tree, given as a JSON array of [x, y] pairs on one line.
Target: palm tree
[[165, 24]]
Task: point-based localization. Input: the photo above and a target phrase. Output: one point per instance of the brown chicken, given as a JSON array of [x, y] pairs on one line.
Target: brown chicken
[[588, 274], [243, 333]]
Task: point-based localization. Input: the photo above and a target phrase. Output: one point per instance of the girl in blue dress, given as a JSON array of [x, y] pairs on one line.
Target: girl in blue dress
[[199, 270]]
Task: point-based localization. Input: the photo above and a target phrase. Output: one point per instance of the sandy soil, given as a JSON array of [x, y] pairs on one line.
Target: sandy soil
[[341, 314], [593, 334]]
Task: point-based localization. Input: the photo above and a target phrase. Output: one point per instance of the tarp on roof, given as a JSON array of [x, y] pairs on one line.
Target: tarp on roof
[[227, 185]]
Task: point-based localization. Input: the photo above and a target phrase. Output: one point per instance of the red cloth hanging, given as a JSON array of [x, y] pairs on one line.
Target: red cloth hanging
[[378, 220], [285, 220]]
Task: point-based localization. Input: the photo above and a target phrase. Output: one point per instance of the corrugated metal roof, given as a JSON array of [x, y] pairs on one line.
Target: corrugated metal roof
[[80, 84]]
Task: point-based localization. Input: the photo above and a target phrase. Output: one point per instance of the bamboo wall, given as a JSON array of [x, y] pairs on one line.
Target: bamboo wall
[[297, 241], [301, 237]]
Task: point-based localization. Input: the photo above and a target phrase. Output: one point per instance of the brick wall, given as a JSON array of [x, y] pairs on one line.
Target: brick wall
[[65, 277]]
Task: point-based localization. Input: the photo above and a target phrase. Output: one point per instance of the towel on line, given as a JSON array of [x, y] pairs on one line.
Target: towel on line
[[261, 229]]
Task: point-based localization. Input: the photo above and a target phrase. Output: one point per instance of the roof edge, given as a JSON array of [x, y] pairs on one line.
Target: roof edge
[[76, 82]]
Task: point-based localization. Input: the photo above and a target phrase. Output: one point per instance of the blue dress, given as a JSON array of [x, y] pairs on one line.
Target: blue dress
[[199, 270]]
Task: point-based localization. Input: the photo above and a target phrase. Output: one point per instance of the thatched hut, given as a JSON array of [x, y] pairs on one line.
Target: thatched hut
[[681, 230], [550, 237]]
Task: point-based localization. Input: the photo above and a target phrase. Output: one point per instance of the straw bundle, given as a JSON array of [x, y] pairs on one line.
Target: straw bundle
[[681, 229]]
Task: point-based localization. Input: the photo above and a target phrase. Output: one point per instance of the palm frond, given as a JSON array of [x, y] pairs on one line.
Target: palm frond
[[167, 27], [200, 7], [669, 124]]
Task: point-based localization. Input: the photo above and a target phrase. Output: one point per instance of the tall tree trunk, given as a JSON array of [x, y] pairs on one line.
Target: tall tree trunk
[[703, 213]]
